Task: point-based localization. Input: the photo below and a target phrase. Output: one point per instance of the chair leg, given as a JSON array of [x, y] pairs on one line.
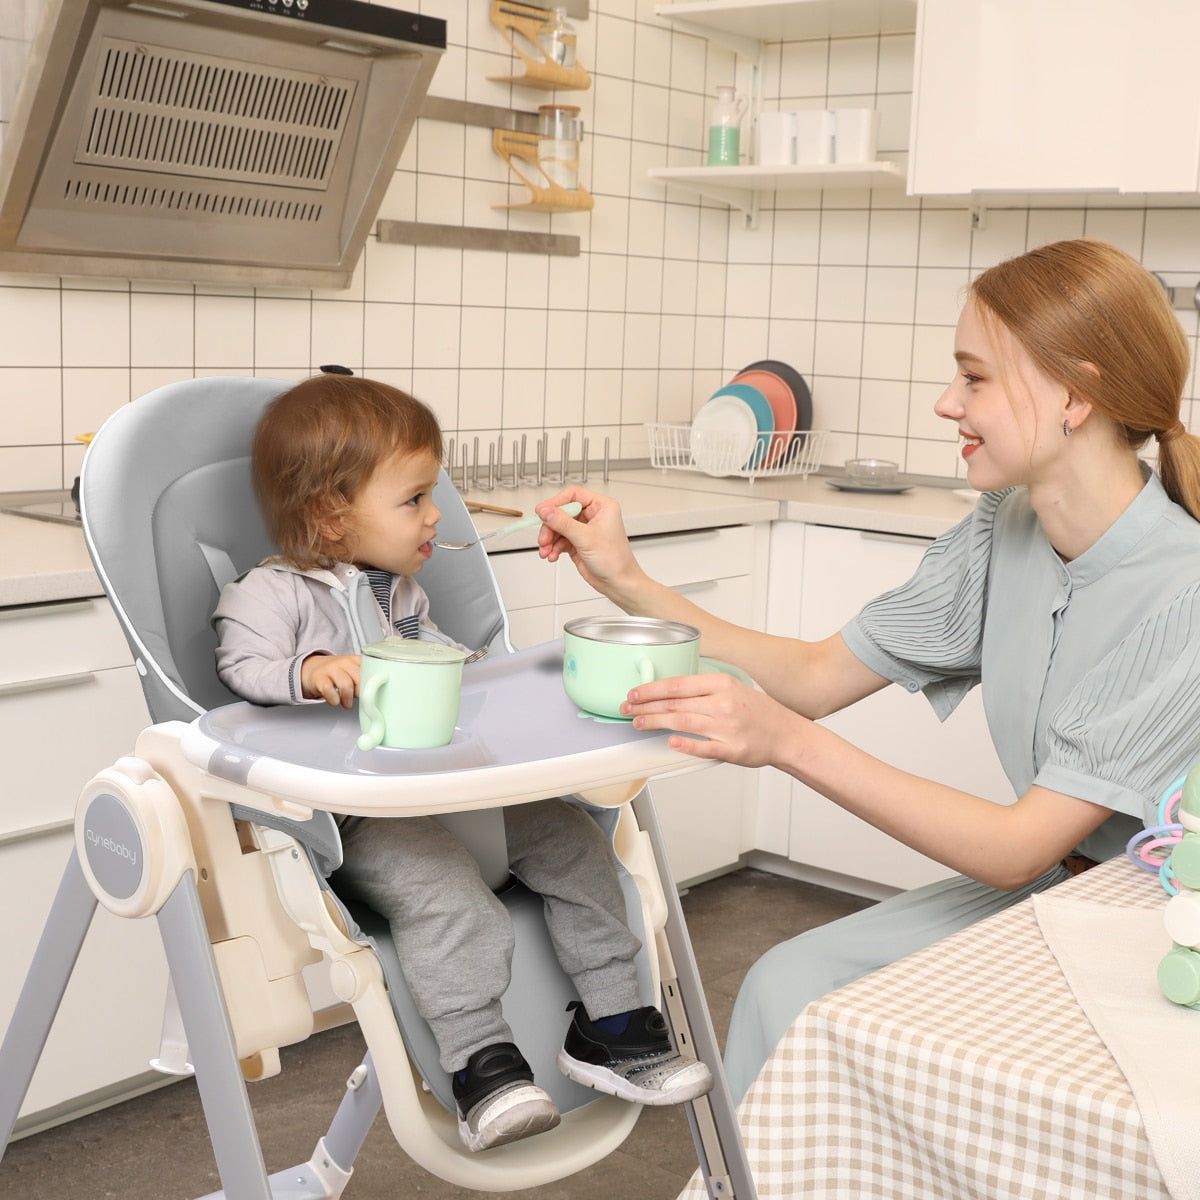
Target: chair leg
[[53, 961], [210, 1039], [719, 1147]]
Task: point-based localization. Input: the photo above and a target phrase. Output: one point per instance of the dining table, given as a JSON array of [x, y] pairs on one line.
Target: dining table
[[1031, 1054]]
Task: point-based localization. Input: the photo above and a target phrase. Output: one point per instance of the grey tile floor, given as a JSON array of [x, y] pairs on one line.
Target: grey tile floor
[[155, 1147]]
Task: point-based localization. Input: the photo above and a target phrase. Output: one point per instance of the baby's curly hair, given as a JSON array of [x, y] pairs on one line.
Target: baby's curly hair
[[317, 445]]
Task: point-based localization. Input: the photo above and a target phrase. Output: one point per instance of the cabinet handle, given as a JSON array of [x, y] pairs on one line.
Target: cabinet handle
[[905, 539], [684, 535], [51, 608], [8, 836], [701, 585], [24, 686]]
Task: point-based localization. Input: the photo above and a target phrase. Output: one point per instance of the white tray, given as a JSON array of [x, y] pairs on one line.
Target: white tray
[[673, 448], [518, 738]]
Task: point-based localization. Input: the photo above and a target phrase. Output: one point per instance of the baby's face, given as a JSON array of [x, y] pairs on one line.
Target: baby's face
[[393, 518]]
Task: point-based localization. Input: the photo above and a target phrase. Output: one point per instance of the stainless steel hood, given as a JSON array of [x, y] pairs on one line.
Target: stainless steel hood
[[209, 140]]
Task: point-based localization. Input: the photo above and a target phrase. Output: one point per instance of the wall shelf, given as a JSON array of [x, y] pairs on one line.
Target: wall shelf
[[740, 187], [794, 20]]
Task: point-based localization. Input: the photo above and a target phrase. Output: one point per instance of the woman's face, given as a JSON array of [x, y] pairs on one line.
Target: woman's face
[[1009, 414]]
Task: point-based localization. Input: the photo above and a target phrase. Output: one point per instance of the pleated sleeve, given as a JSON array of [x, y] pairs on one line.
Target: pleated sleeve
[[1134, 719], [927, 634]]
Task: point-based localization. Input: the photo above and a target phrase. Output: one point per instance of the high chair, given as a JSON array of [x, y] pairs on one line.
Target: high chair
[[219, 825]]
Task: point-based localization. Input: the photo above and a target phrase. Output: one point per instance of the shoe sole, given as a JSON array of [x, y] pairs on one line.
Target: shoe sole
[[521, 1121], [601, 1079]]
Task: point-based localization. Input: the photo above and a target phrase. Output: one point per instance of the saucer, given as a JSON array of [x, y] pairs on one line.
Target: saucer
[[890, 488]]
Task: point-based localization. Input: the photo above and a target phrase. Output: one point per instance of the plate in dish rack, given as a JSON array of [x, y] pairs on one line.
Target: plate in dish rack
[[724, 433]]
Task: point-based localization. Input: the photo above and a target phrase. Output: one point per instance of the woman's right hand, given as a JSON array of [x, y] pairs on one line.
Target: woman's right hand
[[595, 541], [331, 677]]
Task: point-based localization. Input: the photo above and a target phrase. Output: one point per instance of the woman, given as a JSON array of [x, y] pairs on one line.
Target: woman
[[1072, 593]]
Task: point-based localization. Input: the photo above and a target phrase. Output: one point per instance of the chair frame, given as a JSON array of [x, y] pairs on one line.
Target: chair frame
[[154, 834]]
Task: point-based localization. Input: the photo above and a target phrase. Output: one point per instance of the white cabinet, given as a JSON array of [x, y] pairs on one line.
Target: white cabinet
[[70, 704], [1079, 96], [724, 570], [835, 572]]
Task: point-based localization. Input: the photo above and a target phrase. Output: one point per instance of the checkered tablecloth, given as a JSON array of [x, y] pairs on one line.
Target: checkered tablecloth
[[966, 1071]]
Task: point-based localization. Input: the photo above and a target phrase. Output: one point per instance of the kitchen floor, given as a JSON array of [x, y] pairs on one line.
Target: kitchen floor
[[155, 1147]]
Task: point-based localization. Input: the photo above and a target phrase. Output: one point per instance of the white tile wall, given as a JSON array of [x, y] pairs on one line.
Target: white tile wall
[[669, 297]]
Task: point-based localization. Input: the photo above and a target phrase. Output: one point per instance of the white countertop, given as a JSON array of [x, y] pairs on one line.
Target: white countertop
[[42, 562]]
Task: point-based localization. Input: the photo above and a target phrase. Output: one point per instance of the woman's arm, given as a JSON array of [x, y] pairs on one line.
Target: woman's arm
[[1004, 846], [813, 678]]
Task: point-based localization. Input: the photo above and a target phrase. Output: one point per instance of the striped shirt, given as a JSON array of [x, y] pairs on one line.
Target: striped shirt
[[381, 585]]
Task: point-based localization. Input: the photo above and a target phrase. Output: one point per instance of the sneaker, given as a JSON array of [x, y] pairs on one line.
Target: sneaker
[[498, 1101], [639, 1064]]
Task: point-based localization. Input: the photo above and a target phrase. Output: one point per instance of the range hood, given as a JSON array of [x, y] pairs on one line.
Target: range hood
[[245, 141]]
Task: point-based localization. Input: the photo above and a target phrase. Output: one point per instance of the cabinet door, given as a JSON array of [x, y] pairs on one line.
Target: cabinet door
[[843, 569], [1076, 96], [108, 1026]]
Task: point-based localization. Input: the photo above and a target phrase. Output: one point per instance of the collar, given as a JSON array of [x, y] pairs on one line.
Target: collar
[[1125, 534]]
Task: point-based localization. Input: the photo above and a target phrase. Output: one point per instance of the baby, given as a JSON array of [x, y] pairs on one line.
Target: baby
[[344, 470]]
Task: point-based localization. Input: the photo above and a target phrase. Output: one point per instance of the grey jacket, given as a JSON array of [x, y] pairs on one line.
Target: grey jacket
[[274, 616]]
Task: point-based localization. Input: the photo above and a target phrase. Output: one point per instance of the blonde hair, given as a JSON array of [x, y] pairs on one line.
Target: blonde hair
[[317, 445], [1094, 319]]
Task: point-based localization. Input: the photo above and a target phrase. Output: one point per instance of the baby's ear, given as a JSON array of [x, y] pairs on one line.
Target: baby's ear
[[331, 525]]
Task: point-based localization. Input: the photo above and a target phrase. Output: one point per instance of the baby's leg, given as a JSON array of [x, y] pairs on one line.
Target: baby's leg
[[453, 937], [558, 851]]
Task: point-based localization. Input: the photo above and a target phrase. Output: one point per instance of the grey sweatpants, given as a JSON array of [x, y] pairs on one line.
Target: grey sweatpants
[[454, 937]]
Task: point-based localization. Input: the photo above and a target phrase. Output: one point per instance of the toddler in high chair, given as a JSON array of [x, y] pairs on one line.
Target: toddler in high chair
[[344, 470]]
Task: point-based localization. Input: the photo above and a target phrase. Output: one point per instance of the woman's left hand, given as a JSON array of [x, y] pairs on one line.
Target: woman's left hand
[[714, 716]]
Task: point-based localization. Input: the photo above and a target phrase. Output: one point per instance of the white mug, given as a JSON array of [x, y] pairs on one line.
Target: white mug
[[814, 135], [855, 134], [775, 139]]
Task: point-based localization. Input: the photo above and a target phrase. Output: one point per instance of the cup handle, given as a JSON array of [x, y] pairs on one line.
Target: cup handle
[[372, 736], [645, 671]]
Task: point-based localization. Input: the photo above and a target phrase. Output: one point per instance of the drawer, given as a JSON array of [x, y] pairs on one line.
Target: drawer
[[677, 559], [108, 1027], [729, 599], [53, 739], [41, 641], [524, 579]]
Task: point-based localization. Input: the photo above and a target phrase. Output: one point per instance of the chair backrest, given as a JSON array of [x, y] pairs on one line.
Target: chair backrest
[[169, 517]]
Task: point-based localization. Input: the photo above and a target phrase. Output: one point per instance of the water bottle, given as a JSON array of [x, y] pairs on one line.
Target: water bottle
[[724, 128]]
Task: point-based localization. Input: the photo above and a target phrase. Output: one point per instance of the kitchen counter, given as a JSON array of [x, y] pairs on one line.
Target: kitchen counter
[[928, 510], [42, 562]]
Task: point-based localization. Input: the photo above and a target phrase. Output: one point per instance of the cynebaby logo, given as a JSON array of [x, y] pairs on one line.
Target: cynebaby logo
[[112, 846]]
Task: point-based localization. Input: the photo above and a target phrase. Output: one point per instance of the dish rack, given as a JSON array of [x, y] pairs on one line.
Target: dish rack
[[672, 447]]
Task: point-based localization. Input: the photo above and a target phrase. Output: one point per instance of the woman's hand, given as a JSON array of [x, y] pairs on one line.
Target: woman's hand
[[715, 716], [331, 677], [595, 541]]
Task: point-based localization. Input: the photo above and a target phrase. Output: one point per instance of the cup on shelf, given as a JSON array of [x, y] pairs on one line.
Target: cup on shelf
[[814, 135], [855, 134], [775, 139]]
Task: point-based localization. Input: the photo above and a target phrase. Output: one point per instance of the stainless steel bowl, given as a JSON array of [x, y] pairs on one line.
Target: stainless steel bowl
[[632, 631]]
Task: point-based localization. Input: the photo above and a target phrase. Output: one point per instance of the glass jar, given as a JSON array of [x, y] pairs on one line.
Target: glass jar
[[560, 130], [557, 39]]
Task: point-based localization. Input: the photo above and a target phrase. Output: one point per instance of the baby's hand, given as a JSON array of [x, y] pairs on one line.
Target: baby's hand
[[331, 677]]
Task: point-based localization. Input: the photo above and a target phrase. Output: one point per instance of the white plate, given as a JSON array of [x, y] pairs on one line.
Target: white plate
[[724, 433], [968, 494]]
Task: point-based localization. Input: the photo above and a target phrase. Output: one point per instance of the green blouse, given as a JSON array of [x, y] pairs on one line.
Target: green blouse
[[1090, 669]]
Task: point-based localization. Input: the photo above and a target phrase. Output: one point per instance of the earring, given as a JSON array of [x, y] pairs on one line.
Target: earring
[[1067, 430]]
